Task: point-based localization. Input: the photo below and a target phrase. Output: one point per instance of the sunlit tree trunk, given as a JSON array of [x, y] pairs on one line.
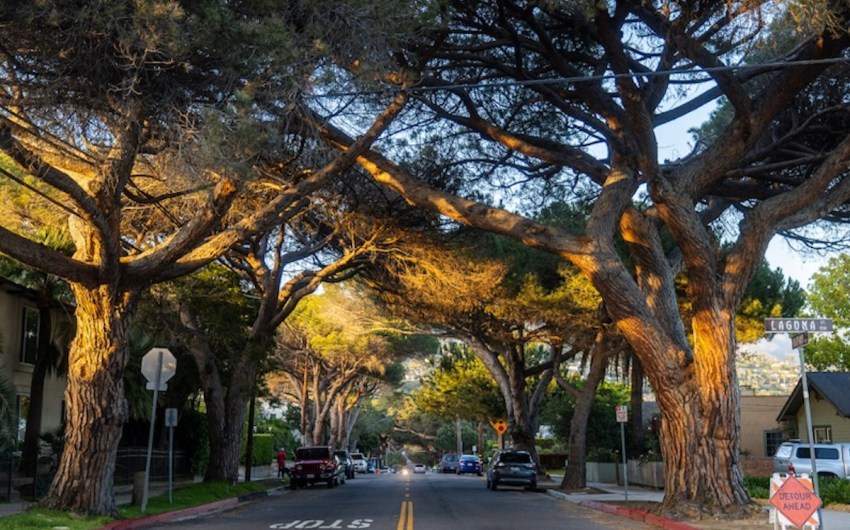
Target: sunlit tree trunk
[[700, 424], [96, 406]]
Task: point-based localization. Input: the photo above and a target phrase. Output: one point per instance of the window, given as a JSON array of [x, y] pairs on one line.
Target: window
[[772, 441], [29, 335], [823, 433]]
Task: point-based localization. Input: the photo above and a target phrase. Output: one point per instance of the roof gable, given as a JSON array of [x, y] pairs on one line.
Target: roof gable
[[832, 386]]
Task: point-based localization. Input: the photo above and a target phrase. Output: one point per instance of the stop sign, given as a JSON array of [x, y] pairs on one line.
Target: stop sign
[[158, 360]]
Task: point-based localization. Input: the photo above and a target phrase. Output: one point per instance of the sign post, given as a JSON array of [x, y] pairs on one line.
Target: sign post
[[500, 426], [158, 366], [622, 417], [170, 422], [799, 328]]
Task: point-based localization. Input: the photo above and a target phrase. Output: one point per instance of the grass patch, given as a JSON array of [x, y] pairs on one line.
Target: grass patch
[[37, 518]]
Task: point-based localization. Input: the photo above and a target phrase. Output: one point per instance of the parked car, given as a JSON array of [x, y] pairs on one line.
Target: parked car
[[469, 464], [316, 464], [448, 464], [419, 468], [345, 460], [361, 465], [511, 468], [831, 459]]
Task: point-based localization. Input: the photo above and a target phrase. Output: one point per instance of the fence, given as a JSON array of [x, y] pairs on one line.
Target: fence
[[132, 460]]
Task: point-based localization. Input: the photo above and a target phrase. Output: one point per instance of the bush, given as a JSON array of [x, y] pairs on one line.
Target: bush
[[264, 450], [834, 491], [758, 487], [602, 454]]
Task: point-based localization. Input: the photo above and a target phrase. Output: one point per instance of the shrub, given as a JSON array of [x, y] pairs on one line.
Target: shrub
[[602, 454], [834, 491], [264, 450], [758, 487]]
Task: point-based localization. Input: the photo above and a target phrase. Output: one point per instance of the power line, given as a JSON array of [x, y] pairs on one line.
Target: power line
[[589, 78]]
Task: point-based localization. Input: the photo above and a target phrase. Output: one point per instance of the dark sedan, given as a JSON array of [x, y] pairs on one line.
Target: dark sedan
[[469, 464], [512, 468]]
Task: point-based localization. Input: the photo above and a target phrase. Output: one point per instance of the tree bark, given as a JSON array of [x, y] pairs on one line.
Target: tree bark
[[636, 409], [575, 476], [97, 408]]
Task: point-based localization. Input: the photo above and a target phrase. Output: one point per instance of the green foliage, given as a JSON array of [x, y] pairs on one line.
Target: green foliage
[[281, 432], [603, 454], [758, 487], [834, 491], [264, 450], [461, 386], [602, 428], [192, 430], [447, 437], [829, 296], [769, 294]]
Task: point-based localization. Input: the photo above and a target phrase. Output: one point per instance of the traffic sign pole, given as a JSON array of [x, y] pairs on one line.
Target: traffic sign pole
[[150, 432], [622, 417], [805, 387]]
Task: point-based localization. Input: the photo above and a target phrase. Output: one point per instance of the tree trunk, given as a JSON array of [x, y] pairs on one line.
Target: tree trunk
[[636, 404], [701, 425], [43, 363], [575, 476], [97, 408]]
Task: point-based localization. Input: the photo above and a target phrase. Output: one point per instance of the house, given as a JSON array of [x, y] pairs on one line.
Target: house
[[19, 332], [829, 400], [761, 432]]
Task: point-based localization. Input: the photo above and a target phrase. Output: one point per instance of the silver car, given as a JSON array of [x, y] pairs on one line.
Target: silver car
[[831, 459]]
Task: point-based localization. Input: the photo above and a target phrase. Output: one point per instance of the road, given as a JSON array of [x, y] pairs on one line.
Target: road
[[409, 502]]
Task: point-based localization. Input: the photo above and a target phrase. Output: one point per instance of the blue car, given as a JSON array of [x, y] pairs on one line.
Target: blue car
[[469, 464]]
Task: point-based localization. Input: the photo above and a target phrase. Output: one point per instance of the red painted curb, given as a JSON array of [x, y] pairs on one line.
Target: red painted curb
[[638, 514]]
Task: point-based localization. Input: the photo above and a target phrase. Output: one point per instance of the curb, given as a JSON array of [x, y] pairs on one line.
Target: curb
[[187, 513], [632, 513]]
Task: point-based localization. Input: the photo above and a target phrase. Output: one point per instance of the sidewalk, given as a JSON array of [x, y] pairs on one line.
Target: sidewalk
[[598, 493]]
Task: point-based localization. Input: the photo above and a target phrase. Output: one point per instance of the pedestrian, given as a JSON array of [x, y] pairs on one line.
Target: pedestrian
[[281, 462]]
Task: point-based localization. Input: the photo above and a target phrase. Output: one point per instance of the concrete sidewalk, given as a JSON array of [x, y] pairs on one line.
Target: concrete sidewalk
[[599, 492]]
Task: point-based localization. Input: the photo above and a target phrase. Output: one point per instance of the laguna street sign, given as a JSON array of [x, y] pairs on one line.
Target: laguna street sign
[[797, 325]]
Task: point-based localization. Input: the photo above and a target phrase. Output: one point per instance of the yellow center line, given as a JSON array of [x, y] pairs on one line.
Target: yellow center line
[[405, 518]]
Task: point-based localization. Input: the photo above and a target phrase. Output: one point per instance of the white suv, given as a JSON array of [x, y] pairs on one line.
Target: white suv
[[360, 463]]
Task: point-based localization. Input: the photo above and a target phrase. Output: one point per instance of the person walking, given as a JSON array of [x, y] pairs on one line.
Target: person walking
[[281, 462]]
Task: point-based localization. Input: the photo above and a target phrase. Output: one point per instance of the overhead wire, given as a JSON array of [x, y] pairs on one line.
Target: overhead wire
[[588, 78]]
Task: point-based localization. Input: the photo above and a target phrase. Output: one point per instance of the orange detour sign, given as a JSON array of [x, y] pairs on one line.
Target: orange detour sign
[[500, 426], [795, 501]]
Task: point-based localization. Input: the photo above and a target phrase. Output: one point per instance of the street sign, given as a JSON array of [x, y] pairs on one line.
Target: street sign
[[799, 340], [158, 360], [622, 413], [500, 426], [171, 417], [797, 325], [795, 500]]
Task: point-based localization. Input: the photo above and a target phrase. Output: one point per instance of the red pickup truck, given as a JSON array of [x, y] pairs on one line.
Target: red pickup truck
[[316, 464]]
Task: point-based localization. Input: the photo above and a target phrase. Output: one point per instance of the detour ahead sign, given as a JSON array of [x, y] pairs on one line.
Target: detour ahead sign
[[794, 500]]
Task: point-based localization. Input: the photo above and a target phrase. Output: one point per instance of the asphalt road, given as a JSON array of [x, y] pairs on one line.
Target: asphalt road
[[409, 502]]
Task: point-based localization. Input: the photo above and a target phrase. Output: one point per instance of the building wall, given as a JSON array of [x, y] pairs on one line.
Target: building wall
[[823, 414], [758, 414], [18, 373]]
